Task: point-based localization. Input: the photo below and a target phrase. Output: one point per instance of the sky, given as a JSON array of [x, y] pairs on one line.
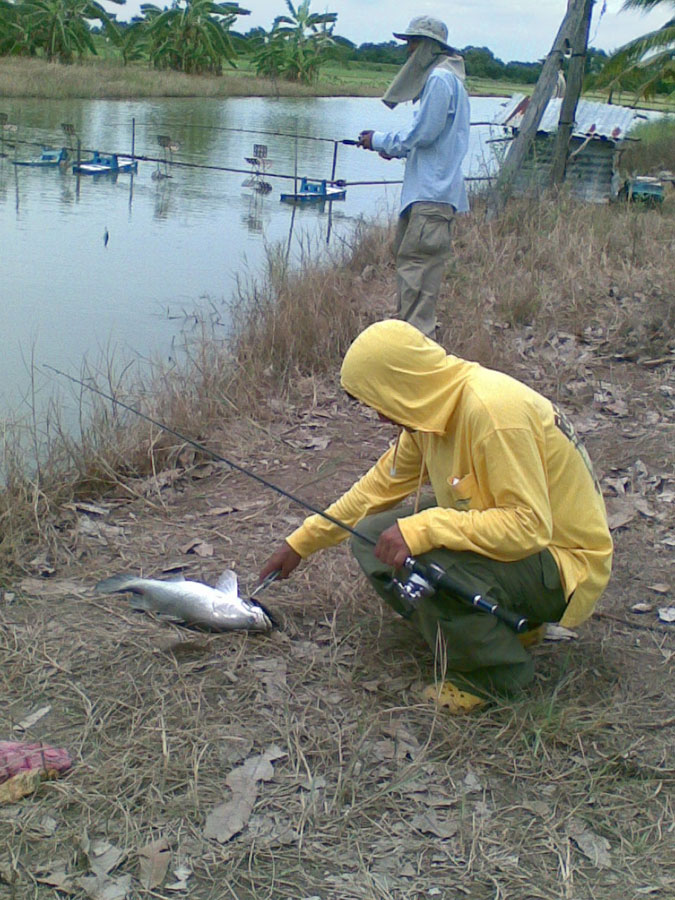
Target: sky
[[513, 29]]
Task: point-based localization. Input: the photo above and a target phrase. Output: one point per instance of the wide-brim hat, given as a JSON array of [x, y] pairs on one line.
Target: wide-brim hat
[[426, 27]]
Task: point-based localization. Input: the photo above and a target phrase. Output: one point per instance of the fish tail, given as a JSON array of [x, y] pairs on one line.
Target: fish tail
[[117, 583]]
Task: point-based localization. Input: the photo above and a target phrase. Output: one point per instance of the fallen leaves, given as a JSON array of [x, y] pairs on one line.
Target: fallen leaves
[[32, 719], [153, 863], [230, 817], [592, 845], [198, 546]]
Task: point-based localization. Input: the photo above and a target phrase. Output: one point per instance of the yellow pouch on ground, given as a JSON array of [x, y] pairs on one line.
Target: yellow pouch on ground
[[21, 785], [452, 698]]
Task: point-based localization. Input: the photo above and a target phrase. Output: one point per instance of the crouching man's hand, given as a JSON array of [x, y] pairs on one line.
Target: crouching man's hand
[[284, 560], [391, 548]]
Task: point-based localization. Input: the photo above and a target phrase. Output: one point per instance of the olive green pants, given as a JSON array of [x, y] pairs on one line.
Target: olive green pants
[[479, 652], [421, 247]]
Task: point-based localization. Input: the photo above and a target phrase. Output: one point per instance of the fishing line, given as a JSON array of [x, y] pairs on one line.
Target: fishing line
[[212, 453], [425, 578]]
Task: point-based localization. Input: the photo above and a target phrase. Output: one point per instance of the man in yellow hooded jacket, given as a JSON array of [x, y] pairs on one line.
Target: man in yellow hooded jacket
[[517, 512]]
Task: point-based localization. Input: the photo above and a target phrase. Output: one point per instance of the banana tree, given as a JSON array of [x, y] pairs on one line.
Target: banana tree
[[12, 35], [191, 36], [646, 64], [297, 44], [59, 29]]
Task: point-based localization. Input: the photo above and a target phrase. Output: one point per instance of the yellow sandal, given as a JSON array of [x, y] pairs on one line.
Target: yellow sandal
[[450, 697]]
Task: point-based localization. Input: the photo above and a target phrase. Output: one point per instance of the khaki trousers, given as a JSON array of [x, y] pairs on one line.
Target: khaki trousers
[[480, 653], [421, 247]]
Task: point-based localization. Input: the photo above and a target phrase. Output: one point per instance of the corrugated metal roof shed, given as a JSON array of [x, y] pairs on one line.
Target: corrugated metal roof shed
[[599, 130], [604, 120]]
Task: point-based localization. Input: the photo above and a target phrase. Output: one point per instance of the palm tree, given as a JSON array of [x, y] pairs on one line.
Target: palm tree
[[297, 44], [646, 64], [191, 36]]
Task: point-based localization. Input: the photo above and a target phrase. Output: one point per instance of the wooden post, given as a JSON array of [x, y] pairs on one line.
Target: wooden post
[[335, 153], [568, 107], [535, 109]]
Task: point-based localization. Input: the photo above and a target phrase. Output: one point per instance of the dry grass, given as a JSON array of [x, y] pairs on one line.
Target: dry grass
[[301, 321], [599, 272], [374, 796], [112, 80]]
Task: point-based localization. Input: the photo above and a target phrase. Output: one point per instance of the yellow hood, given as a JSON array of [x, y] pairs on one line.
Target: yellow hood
[[393, 368]]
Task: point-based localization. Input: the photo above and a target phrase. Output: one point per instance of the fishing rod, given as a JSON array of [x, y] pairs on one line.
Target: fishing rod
[[424, 578]]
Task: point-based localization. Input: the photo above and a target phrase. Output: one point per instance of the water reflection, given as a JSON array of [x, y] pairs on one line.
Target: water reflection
[[175, 239]]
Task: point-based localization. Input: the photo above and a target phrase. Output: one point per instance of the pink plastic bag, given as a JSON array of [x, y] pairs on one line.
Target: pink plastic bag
[[18, 756]]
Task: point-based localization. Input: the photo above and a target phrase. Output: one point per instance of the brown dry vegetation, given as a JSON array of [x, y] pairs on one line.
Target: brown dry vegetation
[[106, 79], [566, 792]]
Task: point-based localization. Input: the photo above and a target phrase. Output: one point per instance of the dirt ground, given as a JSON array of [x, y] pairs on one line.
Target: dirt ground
[[305, 764]]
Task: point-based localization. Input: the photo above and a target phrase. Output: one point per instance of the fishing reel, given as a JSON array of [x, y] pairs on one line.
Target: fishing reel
[[415, 588], [427, 578]]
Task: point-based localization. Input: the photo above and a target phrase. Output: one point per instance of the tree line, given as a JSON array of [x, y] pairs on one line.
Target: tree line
[[201, 36]]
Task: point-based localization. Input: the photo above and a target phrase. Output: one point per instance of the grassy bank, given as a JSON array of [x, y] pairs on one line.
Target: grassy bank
[[607, 281], [110, 79], [370, 793]]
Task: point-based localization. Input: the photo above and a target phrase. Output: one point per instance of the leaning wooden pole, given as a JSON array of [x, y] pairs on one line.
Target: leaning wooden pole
[[535, 109], [568, 107]]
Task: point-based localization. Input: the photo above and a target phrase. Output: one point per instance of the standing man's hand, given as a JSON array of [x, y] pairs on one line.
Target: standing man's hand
[[366, 140], [284, 560], [391, 548]]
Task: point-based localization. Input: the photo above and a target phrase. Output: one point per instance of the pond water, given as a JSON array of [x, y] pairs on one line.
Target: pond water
[[108, 267]]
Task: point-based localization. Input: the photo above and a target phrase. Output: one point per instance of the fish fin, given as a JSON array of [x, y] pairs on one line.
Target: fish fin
[[140, 603], [227, 583], [116, 583], [167, 617]]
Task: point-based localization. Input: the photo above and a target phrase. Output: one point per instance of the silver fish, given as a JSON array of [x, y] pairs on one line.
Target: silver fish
[[218, 608]]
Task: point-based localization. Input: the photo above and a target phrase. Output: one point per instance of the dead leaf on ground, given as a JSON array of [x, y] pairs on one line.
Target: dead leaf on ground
[[220, 510], [182, 874], [57, 878], [100, 530], [155, 483], [34, 717], [229, 818], [91, 508], [644, 508], [659, 588], [620, 511], [153, 861], [273, 676], [43, 587], [472, 783], [429, 823], [104, 857], [667, 614], [642, 607], [592, 845], [104, 888], [201, 548]]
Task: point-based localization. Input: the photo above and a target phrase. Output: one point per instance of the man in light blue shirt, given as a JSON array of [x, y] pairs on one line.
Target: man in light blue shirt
[[433, 145]]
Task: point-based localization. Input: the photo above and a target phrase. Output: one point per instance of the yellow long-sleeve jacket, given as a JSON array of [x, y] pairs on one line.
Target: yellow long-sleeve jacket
[[509, 475]]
